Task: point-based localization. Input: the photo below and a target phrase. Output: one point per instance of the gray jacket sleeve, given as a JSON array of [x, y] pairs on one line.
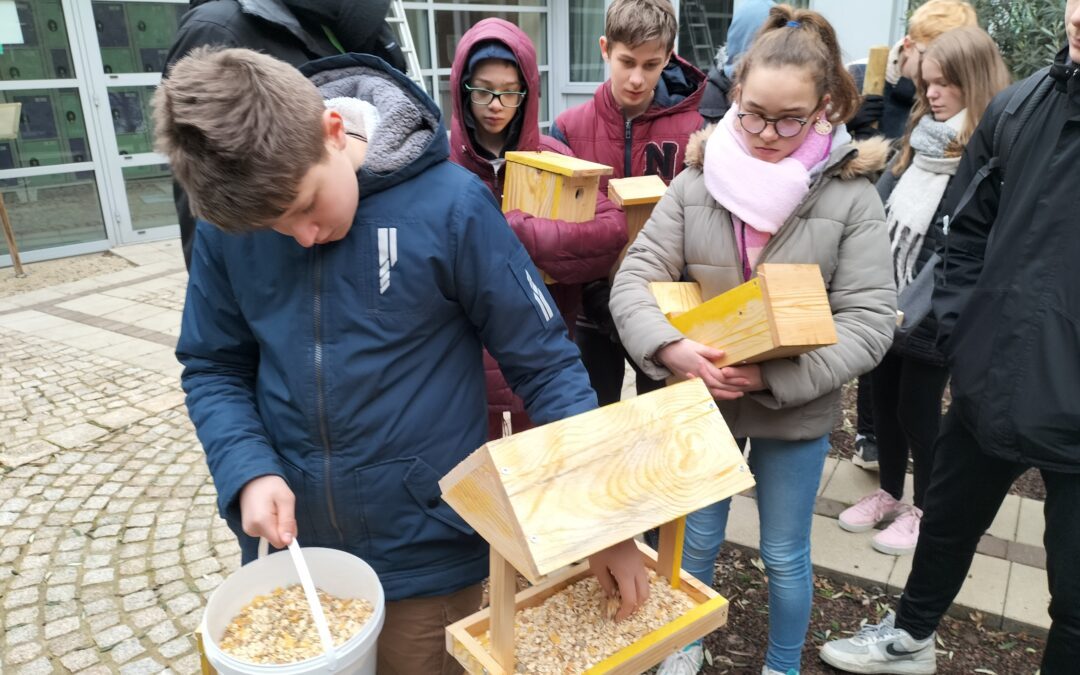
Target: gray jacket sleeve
[[656, 255], [862, 295]]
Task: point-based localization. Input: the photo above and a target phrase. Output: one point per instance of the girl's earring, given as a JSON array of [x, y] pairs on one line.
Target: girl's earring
[[823, 126]]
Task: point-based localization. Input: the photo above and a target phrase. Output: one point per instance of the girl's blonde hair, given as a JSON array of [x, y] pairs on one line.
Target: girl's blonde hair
[[937, 16], [803, 38], [969, 59]]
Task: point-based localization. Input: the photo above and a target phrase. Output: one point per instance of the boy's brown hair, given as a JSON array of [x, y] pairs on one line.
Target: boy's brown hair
[[635, 22], [240, 129]]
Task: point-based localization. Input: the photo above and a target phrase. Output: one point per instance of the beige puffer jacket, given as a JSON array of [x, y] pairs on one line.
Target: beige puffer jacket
[[840, 226]]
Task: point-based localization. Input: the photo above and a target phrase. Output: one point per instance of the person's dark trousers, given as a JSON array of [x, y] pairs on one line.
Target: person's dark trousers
[[605, 362], [864, 408], [907, 414], [966, 488]]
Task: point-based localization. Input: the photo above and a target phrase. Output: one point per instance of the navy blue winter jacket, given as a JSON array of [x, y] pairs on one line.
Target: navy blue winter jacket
[[353, 369]]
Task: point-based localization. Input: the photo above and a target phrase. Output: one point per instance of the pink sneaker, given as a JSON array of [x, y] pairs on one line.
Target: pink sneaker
[[901, 537], [869, 511]]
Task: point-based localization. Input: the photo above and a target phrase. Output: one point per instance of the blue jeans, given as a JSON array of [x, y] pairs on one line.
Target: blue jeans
[[788, 474]]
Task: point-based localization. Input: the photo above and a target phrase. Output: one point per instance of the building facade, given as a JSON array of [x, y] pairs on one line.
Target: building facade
[[81, 175]]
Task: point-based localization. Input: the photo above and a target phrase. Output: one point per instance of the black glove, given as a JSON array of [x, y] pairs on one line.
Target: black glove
[[870, 112], [594, 305]]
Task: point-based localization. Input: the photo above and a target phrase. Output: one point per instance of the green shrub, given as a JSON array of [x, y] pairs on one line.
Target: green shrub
[[1028, 32]]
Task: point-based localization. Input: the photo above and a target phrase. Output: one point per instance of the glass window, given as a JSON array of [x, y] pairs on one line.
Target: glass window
[[51, 129], [523, 3], [703, 29], [586, 27], [44, 53], [451, 25], [418, 26], [135, 37], [132, 119], [150, 196], [56, 210]]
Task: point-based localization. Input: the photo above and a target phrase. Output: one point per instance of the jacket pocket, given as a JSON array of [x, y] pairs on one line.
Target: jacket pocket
[[403, 510], [305, 491], [1045, 409]]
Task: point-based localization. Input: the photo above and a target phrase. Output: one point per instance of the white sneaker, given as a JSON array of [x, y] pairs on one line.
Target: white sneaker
[[882, 648], [686, 661], [765, 670]]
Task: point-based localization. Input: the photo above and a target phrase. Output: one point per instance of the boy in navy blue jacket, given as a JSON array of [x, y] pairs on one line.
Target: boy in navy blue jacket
[[332, 333]]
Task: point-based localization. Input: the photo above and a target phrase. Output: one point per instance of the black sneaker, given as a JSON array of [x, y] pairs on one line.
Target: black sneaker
[[866, 453]]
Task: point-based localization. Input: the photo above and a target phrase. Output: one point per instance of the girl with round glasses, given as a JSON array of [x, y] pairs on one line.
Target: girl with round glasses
[[778, 180], [495, 104]]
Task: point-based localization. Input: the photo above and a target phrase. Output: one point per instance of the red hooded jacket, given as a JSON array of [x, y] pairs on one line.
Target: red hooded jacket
[[570, 253]]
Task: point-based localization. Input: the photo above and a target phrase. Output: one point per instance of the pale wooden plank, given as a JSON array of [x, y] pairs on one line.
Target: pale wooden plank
[[636, 190], [799, 310], [876, 64], [676, 297], [736, 321], [559, 164], [669, 555], [501, 586]]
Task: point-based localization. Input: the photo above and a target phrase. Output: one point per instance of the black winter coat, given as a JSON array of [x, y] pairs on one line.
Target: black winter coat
[[1007, 298], [715, 100]]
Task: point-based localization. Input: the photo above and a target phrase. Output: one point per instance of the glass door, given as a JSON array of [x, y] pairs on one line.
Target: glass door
[[50, 173], [126, 45]]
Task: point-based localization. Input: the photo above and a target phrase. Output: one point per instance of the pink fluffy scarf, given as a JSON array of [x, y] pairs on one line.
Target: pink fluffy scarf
[[760, 195]]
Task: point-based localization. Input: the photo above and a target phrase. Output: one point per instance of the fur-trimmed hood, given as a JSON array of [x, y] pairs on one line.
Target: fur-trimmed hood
[[853, 160]]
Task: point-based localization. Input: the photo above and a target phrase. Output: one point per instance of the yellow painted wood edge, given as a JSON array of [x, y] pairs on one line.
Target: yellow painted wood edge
[[204, 663], [659, 635], [636, 190], [556, 163], [719, 305]]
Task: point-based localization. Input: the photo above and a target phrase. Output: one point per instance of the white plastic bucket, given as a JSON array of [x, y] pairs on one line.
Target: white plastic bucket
[[336, 572]]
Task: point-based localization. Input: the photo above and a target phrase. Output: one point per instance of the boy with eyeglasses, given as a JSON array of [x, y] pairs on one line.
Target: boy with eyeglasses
[[639, 123], [495, 103]]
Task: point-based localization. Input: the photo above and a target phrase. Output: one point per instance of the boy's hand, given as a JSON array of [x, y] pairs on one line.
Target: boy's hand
[[619, 569], [745, 378], [268, 509], [692, 359]]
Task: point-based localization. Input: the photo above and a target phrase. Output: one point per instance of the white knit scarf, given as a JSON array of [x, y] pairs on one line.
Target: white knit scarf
[[914, 201]]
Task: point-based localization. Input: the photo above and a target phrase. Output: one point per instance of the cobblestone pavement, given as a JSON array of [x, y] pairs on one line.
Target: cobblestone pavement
[[109, 539]]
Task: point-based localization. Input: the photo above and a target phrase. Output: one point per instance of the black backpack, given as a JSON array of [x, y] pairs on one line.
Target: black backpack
[[1022, 103]]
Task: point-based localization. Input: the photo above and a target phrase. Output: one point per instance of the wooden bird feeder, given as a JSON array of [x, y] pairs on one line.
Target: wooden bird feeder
[[549, 185], [637, 196], [784, 311], [556, 494]]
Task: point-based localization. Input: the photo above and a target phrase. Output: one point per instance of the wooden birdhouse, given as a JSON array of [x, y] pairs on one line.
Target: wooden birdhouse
[[637, 196], [783, 311], [551, 496], [549, 185]]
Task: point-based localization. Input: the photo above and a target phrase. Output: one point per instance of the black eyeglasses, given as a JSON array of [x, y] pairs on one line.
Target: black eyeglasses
[[481, 96], [786, 127]]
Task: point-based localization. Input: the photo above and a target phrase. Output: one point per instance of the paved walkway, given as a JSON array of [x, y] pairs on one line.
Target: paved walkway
[[109, 538]]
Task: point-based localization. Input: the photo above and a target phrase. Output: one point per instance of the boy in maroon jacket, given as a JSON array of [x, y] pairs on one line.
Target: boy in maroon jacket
[[638, 122]]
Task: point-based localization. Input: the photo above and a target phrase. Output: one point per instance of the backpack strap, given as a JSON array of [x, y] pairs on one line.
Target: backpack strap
[[1024, 99], [1018, 112]]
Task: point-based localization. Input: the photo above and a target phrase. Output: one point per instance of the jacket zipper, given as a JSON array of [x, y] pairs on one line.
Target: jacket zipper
[[320, 397], [627, 144]]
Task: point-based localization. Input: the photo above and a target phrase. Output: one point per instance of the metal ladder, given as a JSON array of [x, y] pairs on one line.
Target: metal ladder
[[396, 18], [702, 50]]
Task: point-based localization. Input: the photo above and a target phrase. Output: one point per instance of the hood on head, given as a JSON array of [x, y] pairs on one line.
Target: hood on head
[[745, 23], [410, 136], [495, 37]]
